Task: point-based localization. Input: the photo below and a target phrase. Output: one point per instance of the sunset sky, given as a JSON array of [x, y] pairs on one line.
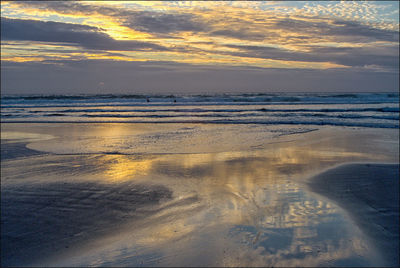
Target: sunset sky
[[78, 47]]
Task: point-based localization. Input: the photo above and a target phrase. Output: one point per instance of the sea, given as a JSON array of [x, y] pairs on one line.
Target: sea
[[375, 110]]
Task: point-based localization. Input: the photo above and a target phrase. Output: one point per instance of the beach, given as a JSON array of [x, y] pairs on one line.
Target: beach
[[142, 194], [199, 134]]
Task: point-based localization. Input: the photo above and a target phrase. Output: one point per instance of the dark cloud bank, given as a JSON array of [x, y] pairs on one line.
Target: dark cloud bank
[[77, 77], [140, 20], [68, 33], [347, 56]]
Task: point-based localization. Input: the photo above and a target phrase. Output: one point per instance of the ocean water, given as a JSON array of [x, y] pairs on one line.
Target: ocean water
[[376, 110]]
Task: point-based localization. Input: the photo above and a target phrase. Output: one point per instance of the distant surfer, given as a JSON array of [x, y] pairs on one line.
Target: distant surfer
[[147, 99], [174, 100]]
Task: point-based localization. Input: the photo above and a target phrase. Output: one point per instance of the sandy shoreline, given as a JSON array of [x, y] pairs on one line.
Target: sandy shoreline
[[190, 195], [370, 194]]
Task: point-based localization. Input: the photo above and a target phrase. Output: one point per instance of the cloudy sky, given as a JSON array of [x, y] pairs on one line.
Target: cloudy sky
[[76, 47]]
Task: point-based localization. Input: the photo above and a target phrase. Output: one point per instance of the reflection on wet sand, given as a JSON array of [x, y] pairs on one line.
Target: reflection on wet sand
[[236, 208], [252, 195], [123, 168]]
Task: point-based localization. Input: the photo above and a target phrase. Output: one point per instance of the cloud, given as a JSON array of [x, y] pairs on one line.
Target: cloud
[[94, 38], [239, 34], [353, 28], [74, 34], [384, 56], [155, 22], [140, 20], [67, 7], [214, 34], [348, 56], [243, 24], [275, 28], [339, 30]]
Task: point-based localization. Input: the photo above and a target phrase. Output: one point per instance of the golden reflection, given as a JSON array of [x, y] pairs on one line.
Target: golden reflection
[[122, 168], [252, 200], [242, 187]]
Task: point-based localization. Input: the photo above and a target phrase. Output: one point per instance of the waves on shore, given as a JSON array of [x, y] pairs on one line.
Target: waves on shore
[[353, 110]]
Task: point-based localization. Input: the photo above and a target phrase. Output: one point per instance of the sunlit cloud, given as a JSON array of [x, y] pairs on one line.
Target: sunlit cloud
[[273, 34]]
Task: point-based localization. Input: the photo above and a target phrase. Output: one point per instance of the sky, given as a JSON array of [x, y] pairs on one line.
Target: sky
[[129, 47]]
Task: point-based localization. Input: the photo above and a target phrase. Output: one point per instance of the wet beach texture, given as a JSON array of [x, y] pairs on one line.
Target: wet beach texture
[[196, 195], [370, 194]]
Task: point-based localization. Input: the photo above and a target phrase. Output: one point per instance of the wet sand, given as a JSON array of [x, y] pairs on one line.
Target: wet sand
[[15, 150], [370, 194], [188, 195], [45, 219]]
